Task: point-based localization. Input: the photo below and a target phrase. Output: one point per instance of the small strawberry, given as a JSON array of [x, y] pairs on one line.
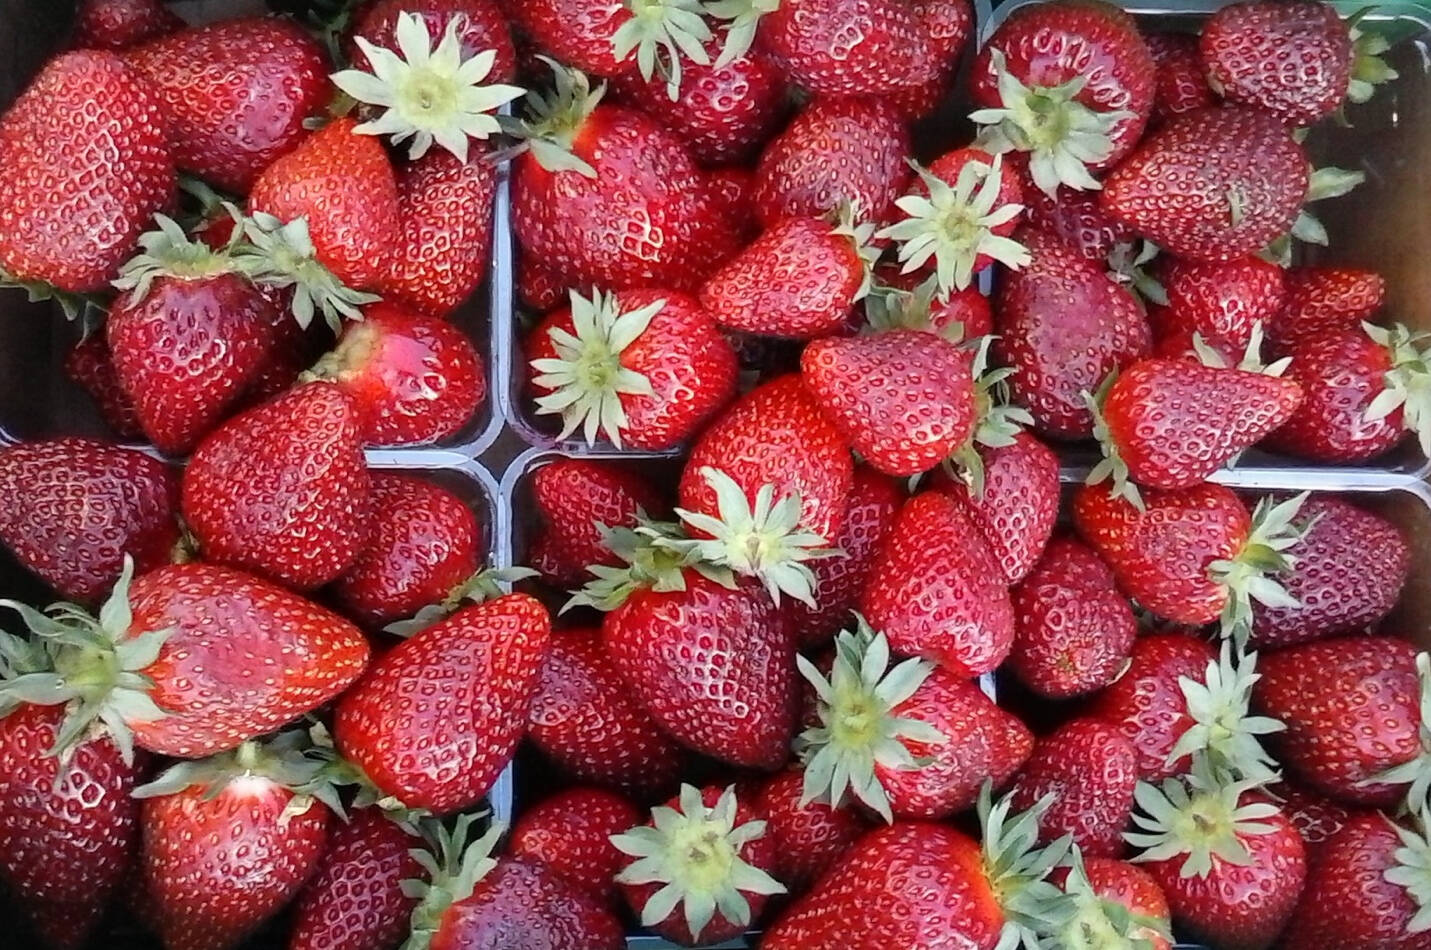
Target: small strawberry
[[730, 190], [576, 498], [1238, 176], [905, 302], [571, 833], [702, 868], [1316, 817], [90, 365], [1324, 301], [74, 508], [1180, 81], [480, 26], [641, 368], [117, 24], [282, 489], [809, 837], [1090, 769], [1224, 300], [539, 289], [1075, 217], [437, 718], [1114, 900]]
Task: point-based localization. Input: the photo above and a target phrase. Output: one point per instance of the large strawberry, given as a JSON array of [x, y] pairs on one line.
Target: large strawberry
[[576, 498], [1238, 176], [571, 833], [1224, 300], [810, 837], [117, 24], [73, 508], [1324, 301], [1180, 81], [1091, 769], [235, 94], [1071, 83], [644, 368], [72, 210], [437, 718]]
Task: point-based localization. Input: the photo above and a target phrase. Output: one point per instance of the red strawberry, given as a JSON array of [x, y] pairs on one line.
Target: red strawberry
[[445, 221], [425, 547], [437, 718], [1063, 324], [282, 489], [904, 301], [1180, 81], [1091, 769], [355, 900], [1071, 83], [1322, 302], [800, 278], [1230, 864], [573, 32], [70, 223], [73, 508], [1111, 891], [1350, 568], [1316, 817], [540, 289], [809, 838], [644, 368], [1292, 58], [835, 151], [117, 24], [342, 184], [90, 365], [413, 378], [731, 186], [936, 590], [1075, 217], [479, 26], [710, 854], [1223, 300], [228, 842], [1238, 176], [575, 497], [584, 718], [235, 94], [571, 832]]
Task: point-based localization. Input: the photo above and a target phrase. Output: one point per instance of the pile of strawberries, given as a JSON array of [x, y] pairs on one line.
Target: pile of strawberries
[[842, 661]]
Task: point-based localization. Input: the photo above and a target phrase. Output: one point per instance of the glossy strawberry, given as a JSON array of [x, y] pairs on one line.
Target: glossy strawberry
[[1091, 769], [575, 496], [1322, 302], [75, 507], [540, 289], [89, 365], [117, 24], [235, 94], [1180, 83], [585, 37], [1075, 217], [480, 27], [570, 833], [437, 718], [282, 489], [809, 838], [72, 211], [1218, 300]]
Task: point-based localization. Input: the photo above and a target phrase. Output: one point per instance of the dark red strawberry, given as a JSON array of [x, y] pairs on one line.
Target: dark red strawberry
[[1075, 217], [575, 497], [1180, 81], [1073, 631], [540, 289], [117, 24], [584, 718], [90, 365], [1292, 58], [282, 489], [1324, 301], [235, 94], [1063, 324], [355, 899], [1316, 817], [72, 211], [571, 833], [835, 151], [1091, 769], [905, 301], [730, 189], [73, 508], [437, 718], [1238, 176], [1223, 300], [479, 26], [709, 851], [809, 837]]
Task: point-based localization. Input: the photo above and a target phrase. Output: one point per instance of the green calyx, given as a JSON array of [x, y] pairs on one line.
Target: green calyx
[[453, 866], [587, 378], [1199, 818], [1128, 265], [169, 252], [1223, 739], [1018, 869], [861, 235], [1099, 923], [954, 225], [693, 852], [282, 255], [91, 665], [554, 118], [1412, 869], [1322, 183], [858, 728], [742, 17], [1416, 773], [1062, 135], [482, 586], [656, 556], [660, 33], [1112, 466], [1249, 576], [892, 308], [1407, 383], [1251, 361], [1368, 70], [999, 421]]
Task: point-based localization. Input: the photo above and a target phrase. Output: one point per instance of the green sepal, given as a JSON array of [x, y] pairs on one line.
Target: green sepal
[[1111, 466], [553, 119], [656, 558], [453, 867], [660, 33], [1412, 869], [485, 585], [74, 306], [1248, 576], [998, 421], [1198, 817], [1017, 870], [282, 255], [1415, 773], [1222, 740], [169, 252], [1407, 385], [742, 17]]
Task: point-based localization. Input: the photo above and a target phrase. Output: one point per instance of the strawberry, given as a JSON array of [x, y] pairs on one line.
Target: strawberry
[[904, 301], [575, 498], [571, 833], [1239, 177], [1063, 324], [479, 27], [1091, 770], [1114, 899], [1324, 301], [437, 718], [730, 190], [614, 39], [1073, 631], [644, 368], [229, 840], [1366, 889], [117, 24], [585, 719], [1350, 570], [937, 591], [282, 489], [708, 856], [913, 741], [1351, 706], [72, 211], [1230, 864], [90, 365], [75, 507], [1071, 83], [1292, 59], [426, 546], [413, 378], [235, 94], [1362, 395], [539, 289], [835, 151], [1073, 216], [1223, 300], [1316, 817], [800, 278], [355, 900], [574, 191], [809, 837], [1180, 82]]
